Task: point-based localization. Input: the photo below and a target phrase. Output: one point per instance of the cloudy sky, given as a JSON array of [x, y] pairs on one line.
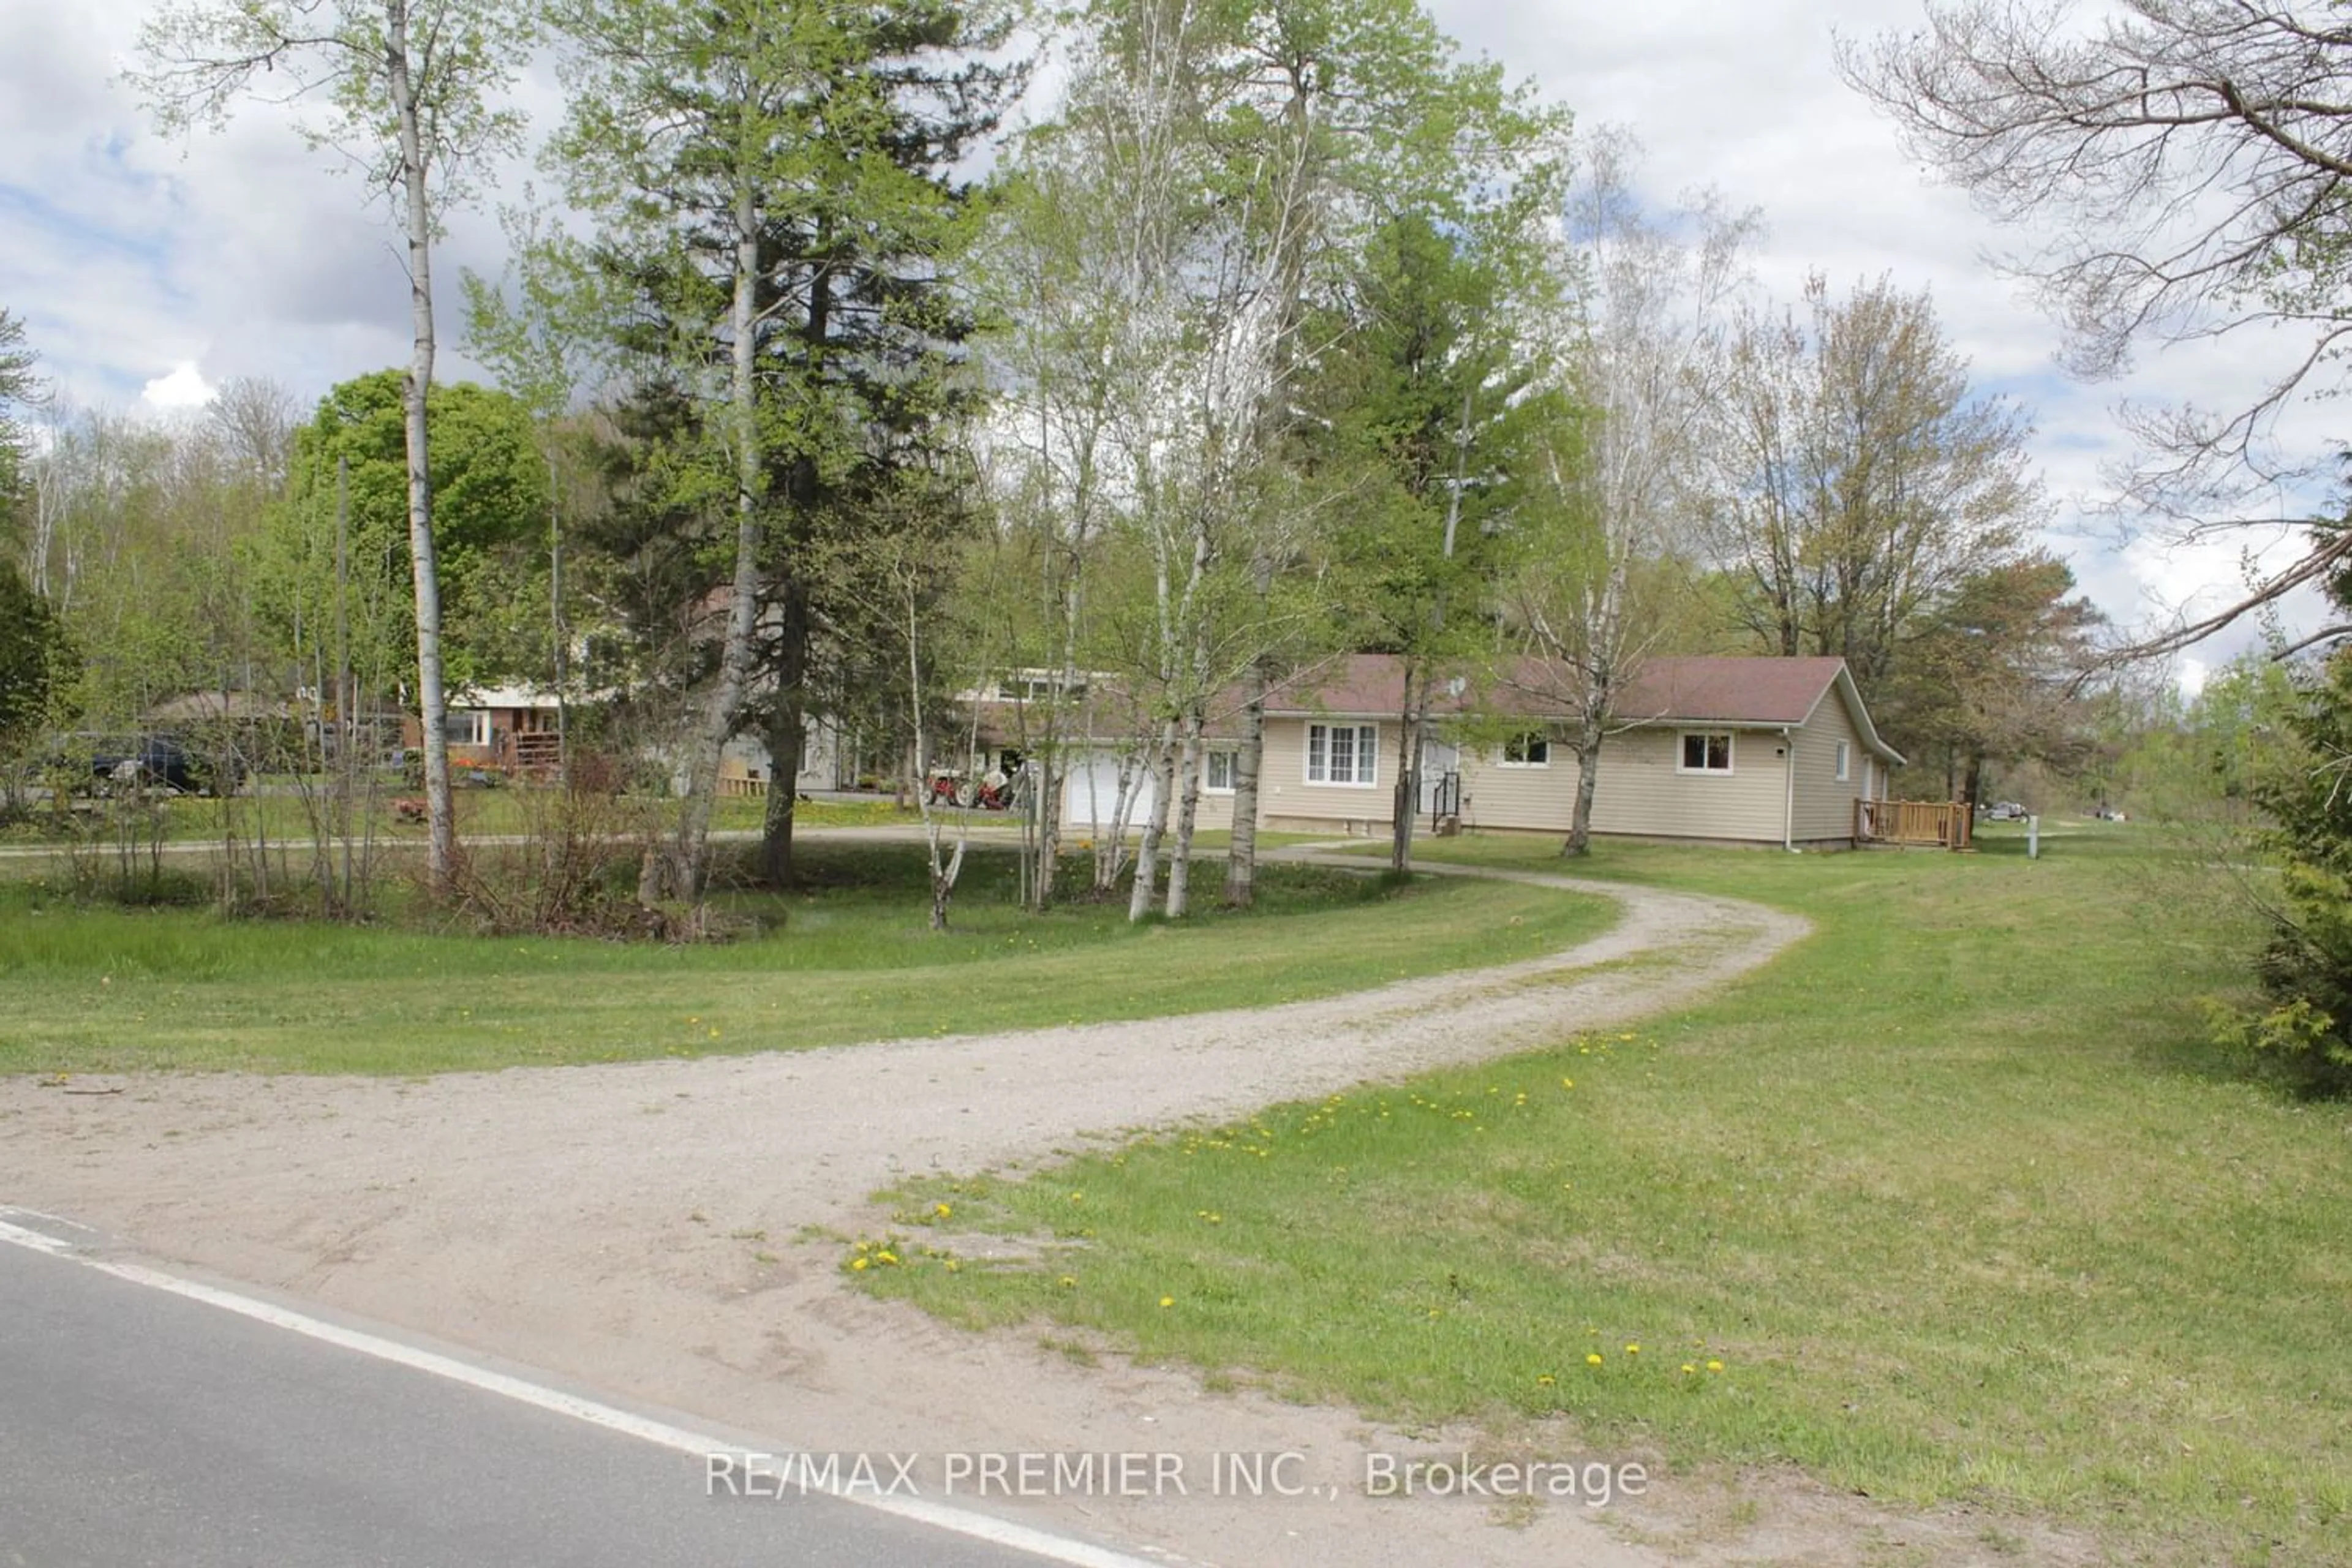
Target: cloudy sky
[[150, 270]]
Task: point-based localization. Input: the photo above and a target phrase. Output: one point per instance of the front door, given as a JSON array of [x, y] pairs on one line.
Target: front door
[[1438, 759]]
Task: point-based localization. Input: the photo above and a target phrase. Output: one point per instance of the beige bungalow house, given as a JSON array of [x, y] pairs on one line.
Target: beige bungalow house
[[1726, 750]]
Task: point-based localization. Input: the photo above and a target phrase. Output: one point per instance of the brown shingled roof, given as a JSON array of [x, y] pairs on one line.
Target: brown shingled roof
[[1727, 691]]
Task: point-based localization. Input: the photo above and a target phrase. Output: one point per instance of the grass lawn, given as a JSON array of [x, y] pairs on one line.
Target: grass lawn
[[1948, 1203], [282, 817], [106, 989]]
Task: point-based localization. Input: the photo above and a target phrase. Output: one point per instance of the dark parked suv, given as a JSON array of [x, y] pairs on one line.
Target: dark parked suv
[[160, 760]]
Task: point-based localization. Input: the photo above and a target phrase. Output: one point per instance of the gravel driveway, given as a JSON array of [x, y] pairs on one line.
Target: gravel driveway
[[602, 1222]]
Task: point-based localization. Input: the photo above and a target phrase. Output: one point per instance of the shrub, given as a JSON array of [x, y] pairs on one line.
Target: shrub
[[2306, 966]]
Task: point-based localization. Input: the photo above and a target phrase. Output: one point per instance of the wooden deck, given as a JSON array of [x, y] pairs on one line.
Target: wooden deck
[[1925, 824]]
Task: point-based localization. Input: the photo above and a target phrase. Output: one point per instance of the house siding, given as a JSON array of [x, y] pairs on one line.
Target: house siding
[[1287, 799], [1643, 791], [1781, 784], [1531, 799], [1824, 802]]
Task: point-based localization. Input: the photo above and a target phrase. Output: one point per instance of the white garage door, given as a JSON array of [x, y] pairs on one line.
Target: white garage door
[[1090, 795]]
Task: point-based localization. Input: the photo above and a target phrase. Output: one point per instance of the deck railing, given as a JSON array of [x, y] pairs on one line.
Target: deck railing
[[538, 749], [1942, 824]]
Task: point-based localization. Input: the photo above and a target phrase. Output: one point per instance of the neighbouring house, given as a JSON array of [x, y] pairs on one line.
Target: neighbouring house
[[747, 768], [1754, 751], [508, 727]]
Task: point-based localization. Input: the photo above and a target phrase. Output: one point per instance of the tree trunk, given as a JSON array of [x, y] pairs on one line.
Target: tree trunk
[[787, 741], [943, 878], [1249, 761], [1110, 846], [689, 860], [1050, 777], [787, 744], [1188, 777], [1044, 789], [1588, 731], [433, 708], [1407, 786], [1146, 853]]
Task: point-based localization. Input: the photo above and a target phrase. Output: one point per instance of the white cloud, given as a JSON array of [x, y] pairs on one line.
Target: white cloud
[[185, 387]]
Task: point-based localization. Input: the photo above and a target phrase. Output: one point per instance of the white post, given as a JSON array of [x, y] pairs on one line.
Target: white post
[[2033, 839]]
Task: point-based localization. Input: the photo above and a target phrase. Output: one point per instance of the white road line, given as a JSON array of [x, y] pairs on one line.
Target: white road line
[[33, 1240], [940, 1516]]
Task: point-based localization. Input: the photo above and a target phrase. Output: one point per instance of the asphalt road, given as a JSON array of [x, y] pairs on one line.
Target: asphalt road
[[139, 1427]]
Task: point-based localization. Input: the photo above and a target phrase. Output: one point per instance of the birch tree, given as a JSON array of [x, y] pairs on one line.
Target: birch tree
[[1641, 342], [409, 90], [1201, 299], [1136, 384], [1050, 274], [1334, 115]]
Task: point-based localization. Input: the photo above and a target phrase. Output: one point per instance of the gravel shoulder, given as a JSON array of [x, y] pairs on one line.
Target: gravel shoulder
[[594, 1221]]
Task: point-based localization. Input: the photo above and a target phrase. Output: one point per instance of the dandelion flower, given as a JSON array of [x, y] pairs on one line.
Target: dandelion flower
[[942, 1210], [1632, 1350], [1067, 1283], [1715, 1366], [1545, 1381], [1594, 1359], [1167, 1300], [857, 1264]]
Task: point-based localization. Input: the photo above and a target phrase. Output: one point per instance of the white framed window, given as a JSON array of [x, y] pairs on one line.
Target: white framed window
[[1343, 753], [1528, 749], [1844, 761], [1217, 772], [467, 726], [1705, 751]]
